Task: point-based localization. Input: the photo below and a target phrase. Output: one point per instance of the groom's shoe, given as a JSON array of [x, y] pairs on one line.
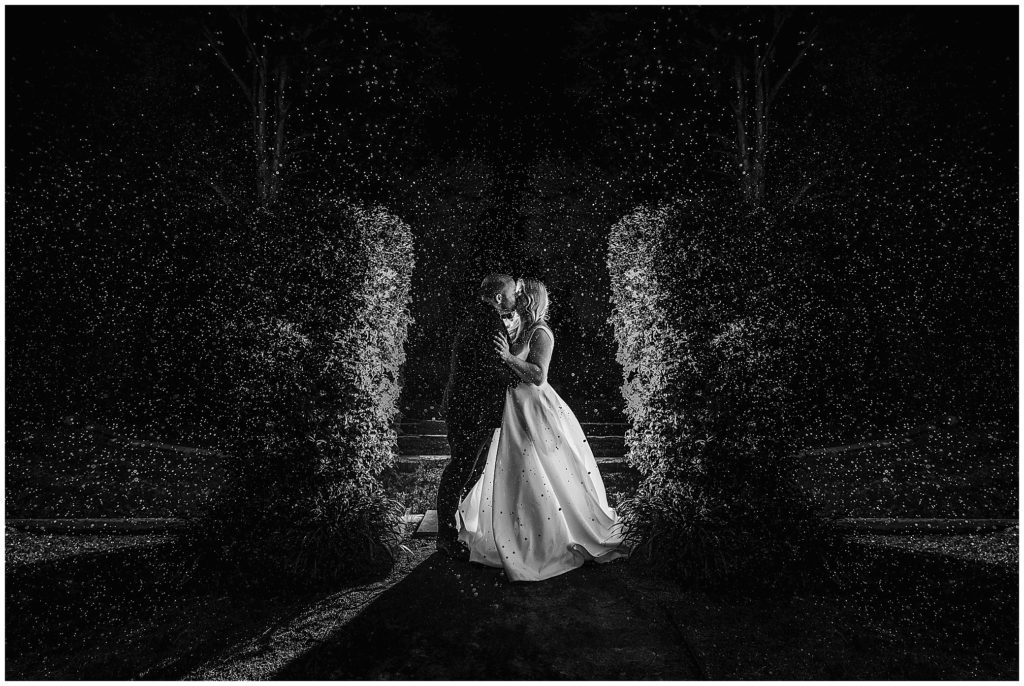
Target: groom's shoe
[[455, 549]]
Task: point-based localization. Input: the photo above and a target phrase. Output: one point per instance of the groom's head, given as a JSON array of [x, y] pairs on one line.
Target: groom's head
[[499, 291]]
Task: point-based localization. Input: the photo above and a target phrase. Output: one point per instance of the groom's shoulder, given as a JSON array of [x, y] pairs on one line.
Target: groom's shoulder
[[476, 315], [467, 321]]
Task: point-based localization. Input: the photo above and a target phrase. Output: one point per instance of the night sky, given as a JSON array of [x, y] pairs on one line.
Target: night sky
[[513, 143], [509, 55], [511, 65]]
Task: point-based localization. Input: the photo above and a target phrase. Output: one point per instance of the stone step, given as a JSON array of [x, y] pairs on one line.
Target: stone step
[[436, 427], [604, 428], [410, 463], [422, 427], [602, 446], [418, 444], [428, 525]]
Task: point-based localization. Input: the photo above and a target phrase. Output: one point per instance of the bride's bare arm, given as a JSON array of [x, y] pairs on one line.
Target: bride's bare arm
[[534, 369]]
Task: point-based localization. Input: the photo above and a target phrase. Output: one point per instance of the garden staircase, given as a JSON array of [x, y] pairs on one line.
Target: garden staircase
[[426, 443]]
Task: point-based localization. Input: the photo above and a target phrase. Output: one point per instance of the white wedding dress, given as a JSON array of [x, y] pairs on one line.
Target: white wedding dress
[[539, 509]]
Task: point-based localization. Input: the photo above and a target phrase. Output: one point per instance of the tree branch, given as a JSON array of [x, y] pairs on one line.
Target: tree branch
[[242, 19], [260, 123], [806, 187], [215, 187], [782, 79], [224, 60], [779, 20], [738, 111], [282, 114]]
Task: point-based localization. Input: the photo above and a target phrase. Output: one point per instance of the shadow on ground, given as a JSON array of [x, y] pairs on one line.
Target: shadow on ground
[[889, 613], [458, 620], [112, 615]]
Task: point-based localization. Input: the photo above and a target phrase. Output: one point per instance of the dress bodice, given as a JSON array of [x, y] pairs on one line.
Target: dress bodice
[[524, 348]]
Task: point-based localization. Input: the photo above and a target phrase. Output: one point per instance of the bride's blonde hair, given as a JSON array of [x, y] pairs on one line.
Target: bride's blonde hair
[[536, 310]]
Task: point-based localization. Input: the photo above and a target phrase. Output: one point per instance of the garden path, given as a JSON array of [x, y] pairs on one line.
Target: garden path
[[449, 619]]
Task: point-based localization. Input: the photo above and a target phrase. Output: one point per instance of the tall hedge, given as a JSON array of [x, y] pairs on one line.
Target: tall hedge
[[707, 315], [312, 353]]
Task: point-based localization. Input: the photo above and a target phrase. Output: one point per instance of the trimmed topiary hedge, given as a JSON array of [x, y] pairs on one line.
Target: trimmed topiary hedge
[[708, 314], [310, 386]]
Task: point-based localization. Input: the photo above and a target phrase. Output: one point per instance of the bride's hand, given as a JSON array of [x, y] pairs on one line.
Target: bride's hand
[[501, 346]]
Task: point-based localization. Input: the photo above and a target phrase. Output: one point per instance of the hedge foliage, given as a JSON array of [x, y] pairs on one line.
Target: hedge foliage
[[711, 319], [311, 381]]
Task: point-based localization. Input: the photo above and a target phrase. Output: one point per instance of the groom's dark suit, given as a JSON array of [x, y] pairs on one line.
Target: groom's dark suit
[[475, 400]]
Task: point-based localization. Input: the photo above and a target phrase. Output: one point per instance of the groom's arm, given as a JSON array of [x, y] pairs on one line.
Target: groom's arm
[[486, 359], [504, 375]]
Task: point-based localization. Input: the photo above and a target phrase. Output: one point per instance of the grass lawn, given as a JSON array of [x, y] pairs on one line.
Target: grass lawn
[[944, 473], [998, 548], [26, 548], [74, 473]]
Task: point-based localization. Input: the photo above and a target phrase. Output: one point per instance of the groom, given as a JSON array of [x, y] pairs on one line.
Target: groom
[[474, 401]]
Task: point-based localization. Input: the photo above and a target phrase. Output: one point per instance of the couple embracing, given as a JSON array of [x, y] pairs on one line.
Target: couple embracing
[[522, 490]]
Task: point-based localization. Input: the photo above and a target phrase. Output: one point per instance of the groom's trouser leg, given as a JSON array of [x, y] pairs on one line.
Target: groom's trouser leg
[[469, 457]]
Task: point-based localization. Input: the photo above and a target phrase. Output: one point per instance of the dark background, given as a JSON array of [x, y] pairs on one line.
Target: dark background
[[509, 138]]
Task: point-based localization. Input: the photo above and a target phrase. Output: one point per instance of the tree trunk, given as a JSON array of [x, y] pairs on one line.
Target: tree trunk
[[261, 127], [760, 119], [739, 112], [281, 114]]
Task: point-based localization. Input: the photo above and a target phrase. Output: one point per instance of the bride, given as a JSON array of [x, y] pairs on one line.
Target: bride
[[539, 509]]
